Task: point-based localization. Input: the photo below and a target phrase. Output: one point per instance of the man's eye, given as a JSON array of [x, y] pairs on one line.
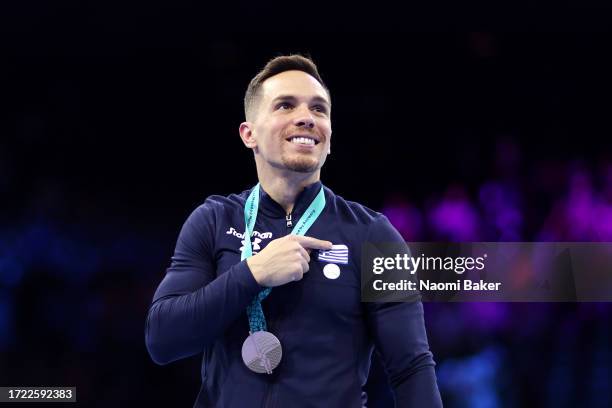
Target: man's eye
[[319, 108], [284, 106]]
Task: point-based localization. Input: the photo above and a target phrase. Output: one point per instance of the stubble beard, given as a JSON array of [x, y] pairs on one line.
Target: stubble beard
[[300, 163]]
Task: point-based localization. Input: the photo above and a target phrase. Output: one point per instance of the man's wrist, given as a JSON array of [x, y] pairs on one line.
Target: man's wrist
[[255, 270]]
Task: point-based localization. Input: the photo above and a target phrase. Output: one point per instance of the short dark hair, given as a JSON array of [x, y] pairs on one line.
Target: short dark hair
[[293, 62]]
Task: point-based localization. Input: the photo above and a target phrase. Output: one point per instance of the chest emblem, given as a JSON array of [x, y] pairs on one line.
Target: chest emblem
[[331, 271], [337, 255]]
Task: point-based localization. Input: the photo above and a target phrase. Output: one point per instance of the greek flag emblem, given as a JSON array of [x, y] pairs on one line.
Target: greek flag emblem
[[338, 255]]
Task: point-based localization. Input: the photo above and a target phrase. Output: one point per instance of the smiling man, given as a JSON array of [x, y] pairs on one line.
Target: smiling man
[[276, 309]]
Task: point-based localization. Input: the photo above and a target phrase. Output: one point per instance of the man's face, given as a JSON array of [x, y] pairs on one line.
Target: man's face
[[292, 126]]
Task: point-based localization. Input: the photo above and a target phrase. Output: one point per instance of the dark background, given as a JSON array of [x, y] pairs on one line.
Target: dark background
[[117, 120]]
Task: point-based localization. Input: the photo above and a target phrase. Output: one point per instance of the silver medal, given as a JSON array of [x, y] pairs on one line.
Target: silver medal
[[262, 352]]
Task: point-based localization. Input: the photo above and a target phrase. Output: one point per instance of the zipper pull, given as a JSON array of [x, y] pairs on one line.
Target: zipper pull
[[288, 219]]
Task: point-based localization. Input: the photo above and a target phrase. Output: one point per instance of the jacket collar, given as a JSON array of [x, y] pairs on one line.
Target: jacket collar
[[271, 208]]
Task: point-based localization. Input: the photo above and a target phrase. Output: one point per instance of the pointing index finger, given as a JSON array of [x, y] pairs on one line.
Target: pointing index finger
[[313, 243]]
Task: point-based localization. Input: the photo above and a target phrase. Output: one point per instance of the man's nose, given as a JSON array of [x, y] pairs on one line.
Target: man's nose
[[304, 118]]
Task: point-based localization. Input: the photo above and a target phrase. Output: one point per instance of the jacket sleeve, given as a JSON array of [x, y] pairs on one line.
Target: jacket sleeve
[[399, 336], [192, 306]]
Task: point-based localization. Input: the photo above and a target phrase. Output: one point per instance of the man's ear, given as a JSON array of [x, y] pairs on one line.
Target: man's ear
[[246, 134]]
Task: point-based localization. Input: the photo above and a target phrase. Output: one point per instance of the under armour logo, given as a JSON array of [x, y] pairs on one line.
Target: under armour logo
[[255, 244]]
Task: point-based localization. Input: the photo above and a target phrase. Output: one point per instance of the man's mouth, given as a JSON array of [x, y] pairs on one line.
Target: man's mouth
[[303, 140]]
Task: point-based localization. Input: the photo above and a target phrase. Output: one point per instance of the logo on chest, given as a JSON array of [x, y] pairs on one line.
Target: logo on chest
[[256, 238], [337, 255]]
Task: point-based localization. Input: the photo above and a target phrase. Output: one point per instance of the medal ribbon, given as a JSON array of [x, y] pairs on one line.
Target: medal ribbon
[[257, 320]]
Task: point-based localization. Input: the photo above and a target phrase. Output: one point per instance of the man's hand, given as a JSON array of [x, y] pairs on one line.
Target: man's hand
[[284, 259]]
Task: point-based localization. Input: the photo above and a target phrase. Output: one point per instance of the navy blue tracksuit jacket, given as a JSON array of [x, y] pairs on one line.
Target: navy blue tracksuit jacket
[[326, 332]]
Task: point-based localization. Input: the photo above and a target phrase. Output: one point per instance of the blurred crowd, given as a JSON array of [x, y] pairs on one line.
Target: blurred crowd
[[519, 354]]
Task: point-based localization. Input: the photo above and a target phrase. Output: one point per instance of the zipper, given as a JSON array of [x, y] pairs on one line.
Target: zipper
[[288, 219]]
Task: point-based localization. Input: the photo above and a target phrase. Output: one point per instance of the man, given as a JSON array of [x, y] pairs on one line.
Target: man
[[308, 341]]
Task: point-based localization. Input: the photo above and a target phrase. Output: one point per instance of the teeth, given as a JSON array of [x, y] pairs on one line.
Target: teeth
[[303, 140]]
